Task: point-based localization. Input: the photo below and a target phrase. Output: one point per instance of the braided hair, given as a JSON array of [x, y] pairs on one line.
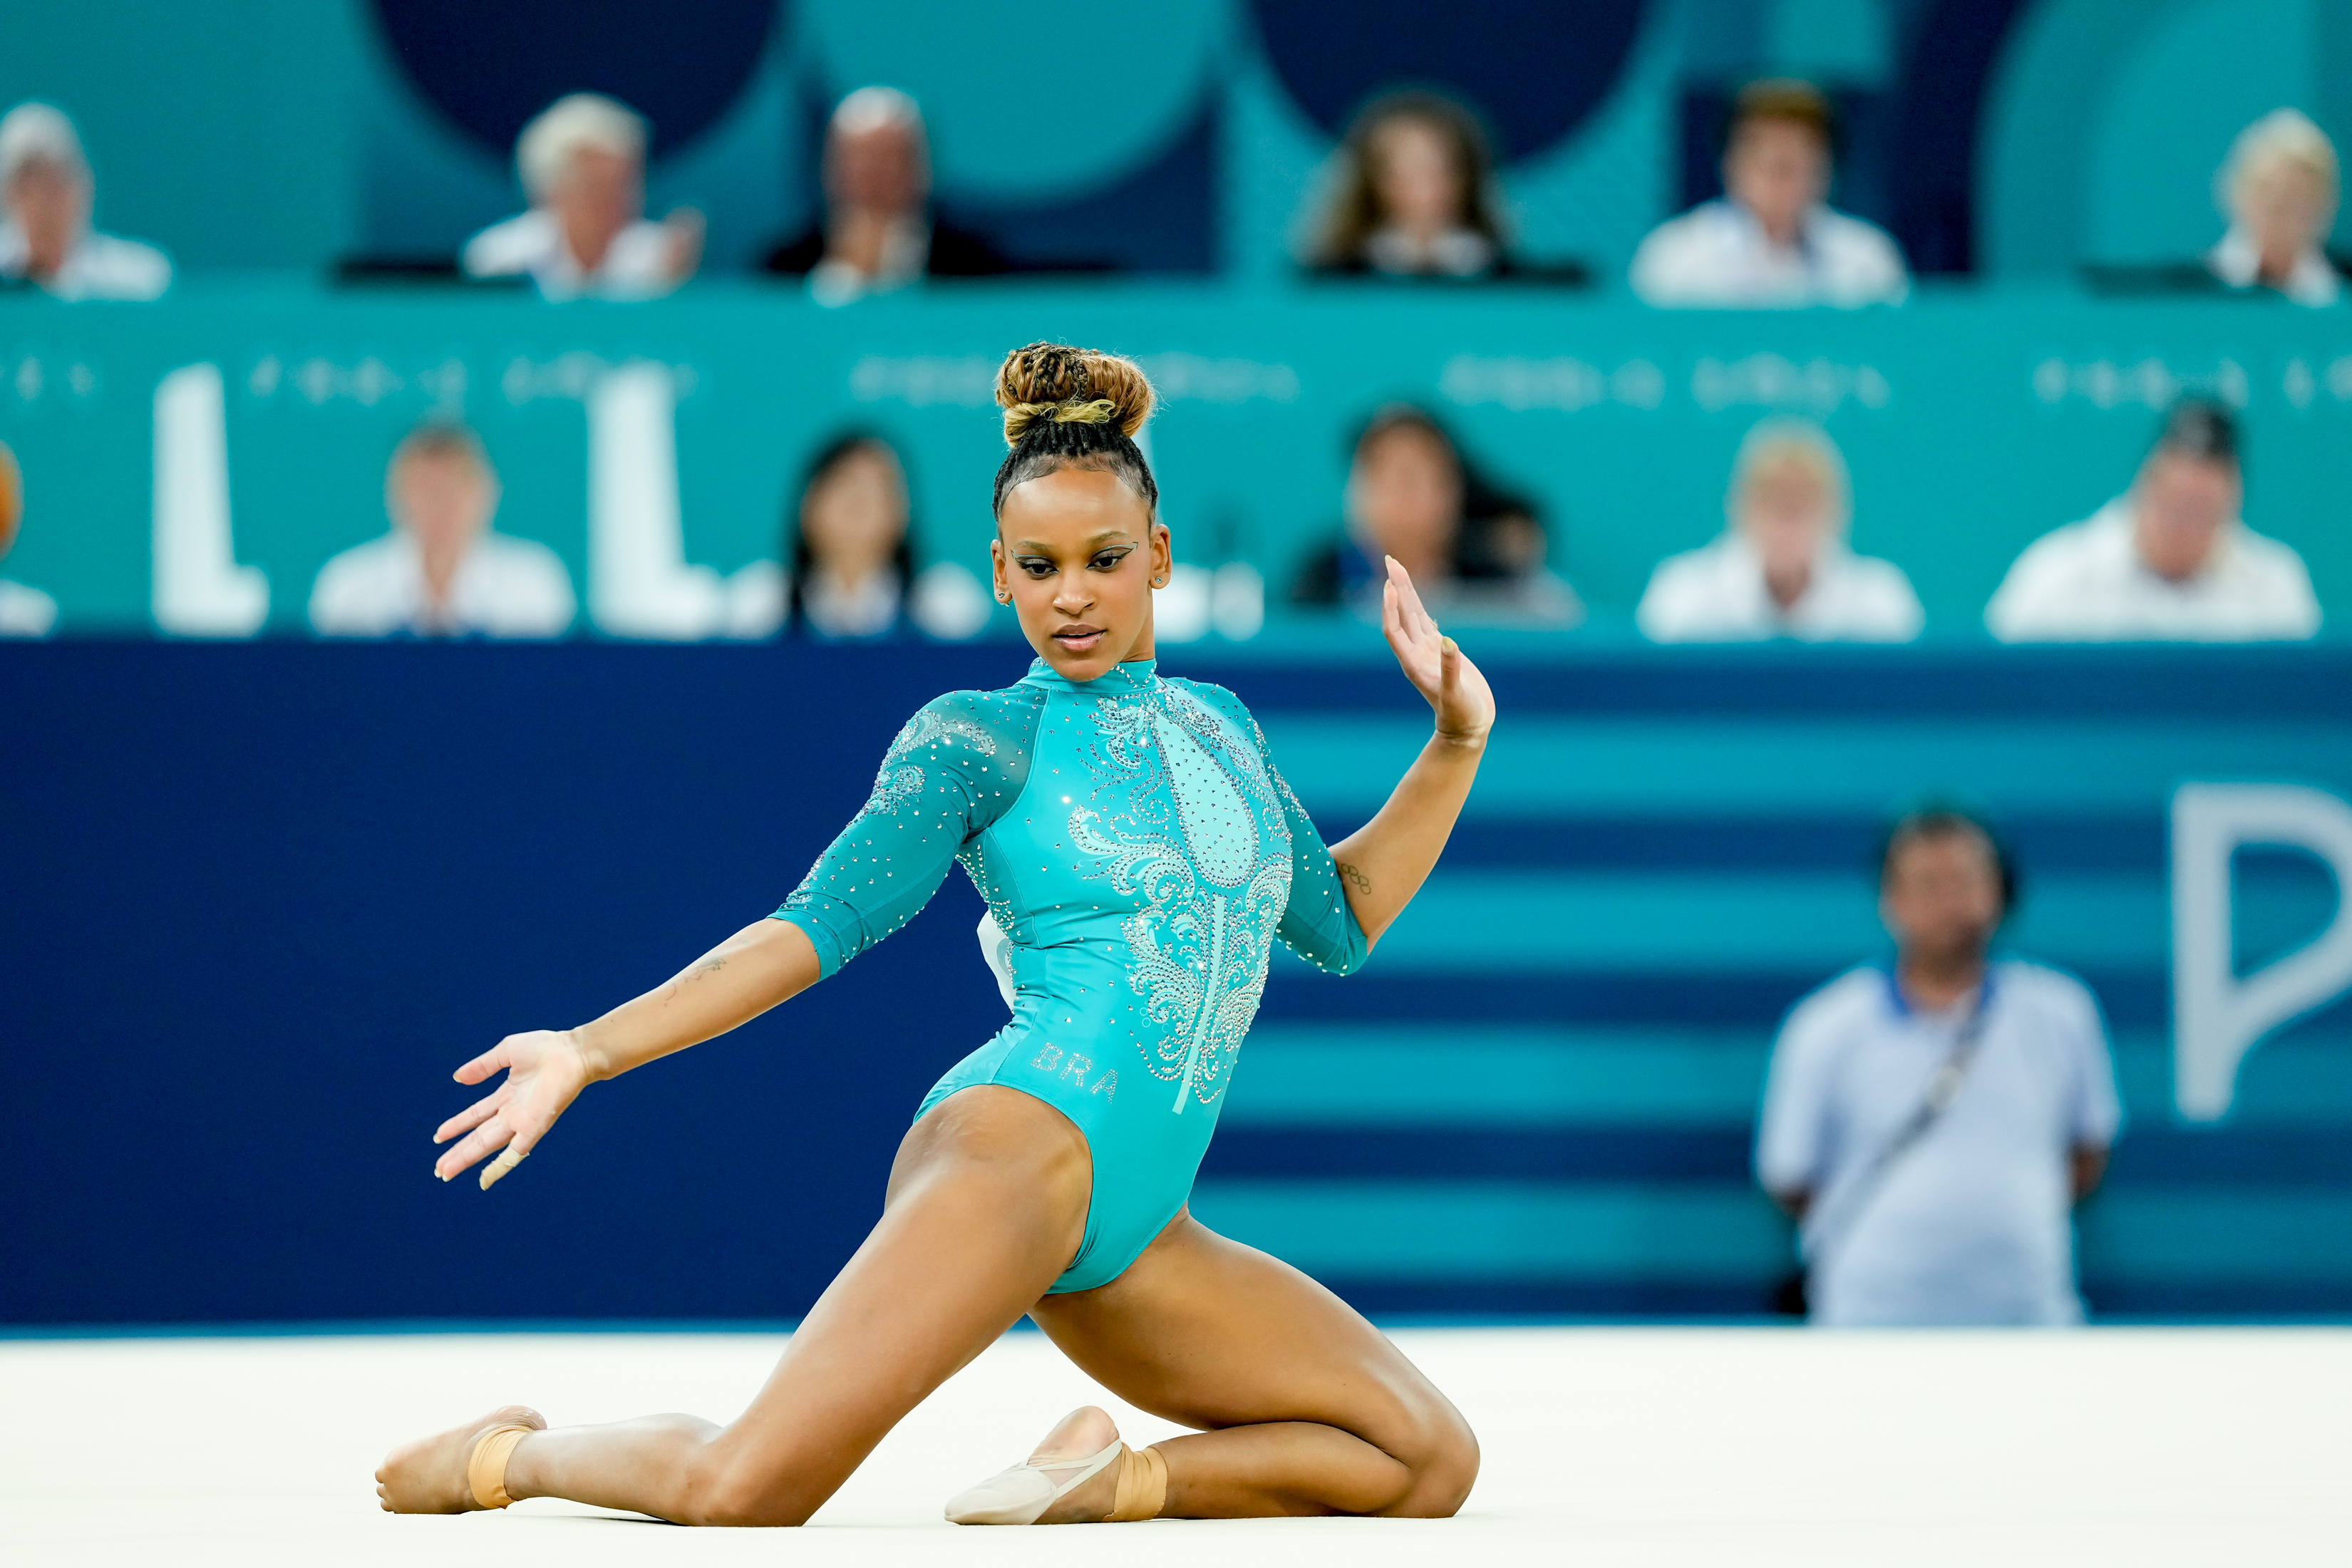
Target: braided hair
[[1073, 408]]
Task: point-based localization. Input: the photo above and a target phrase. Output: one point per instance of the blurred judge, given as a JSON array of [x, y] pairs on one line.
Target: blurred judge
[[1772, 238], [1415, 195], [1474, 551], [2169, 559], [46, 240], [852, 573], [879, 232], [583, 163], [2279, 188], [1782, 568], [441, 572], [24, 612]]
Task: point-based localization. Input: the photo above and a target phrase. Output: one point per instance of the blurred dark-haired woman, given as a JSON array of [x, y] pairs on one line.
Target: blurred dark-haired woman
[[1414, 196], [849, 567], [1412, 497]]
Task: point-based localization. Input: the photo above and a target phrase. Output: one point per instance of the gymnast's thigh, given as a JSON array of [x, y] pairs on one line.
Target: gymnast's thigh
[[1203, 1330]]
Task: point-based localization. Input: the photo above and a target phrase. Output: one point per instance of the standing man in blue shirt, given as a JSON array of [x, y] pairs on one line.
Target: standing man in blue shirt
[[1931, 1124]]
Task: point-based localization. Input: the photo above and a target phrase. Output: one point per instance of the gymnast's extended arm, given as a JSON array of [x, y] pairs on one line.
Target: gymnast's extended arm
[[941, 778], [1383, 863], [764, 963]]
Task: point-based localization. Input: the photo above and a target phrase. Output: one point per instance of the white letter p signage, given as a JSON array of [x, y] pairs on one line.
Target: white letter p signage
[[2216, 1016]]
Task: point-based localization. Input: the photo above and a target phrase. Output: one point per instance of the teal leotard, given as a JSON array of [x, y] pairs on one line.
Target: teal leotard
[[1141, 854]]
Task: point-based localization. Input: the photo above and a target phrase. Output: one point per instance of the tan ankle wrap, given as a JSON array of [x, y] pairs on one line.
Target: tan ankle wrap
[[486, 1472], [1142, 1485]]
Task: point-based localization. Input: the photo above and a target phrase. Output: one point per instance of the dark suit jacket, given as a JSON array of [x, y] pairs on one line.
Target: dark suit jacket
[[955, 253]]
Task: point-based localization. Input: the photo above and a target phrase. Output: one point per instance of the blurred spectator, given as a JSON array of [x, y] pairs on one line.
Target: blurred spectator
[[583, 163], [46, 186], [1772, 238], [441, 572], [1471, 549], [1932, 1121], [1415, 196], [1781, 569], [2279, 189], [878, 231], [24, 612], [2171, 559], [853, 571]]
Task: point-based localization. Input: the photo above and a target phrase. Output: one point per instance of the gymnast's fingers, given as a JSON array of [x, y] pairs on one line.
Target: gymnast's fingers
[[1411, 616], [1399, 605], [483, 1065], [471, 1116], [492, 1134], [525, 1139], [507, 1161]]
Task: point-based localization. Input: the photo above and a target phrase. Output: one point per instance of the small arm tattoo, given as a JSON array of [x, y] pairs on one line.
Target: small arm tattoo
[[1354, 877], [706, 966]]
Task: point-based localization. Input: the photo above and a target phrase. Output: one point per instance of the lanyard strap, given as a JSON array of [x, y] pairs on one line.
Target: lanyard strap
[[1943, 1088]]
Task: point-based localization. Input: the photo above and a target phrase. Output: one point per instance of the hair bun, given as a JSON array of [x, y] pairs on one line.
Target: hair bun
[[1057, 383]]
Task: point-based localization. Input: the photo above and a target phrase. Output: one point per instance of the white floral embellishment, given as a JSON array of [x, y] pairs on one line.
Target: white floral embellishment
[[1214, 889]]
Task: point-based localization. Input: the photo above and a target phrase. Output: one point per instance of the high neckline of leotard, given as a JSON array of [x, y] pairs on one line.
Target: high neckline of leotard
[[1120, 681]]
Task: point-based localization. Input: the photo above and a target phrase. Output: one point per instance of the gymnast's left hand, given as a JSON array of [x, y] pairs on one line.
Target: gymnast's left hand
[[1438, 669], [545, 1072]]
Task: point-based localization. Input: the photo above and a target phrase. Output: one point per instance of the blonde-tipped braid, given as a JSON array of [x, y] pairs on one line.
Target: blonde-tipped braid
[[1020, 416]]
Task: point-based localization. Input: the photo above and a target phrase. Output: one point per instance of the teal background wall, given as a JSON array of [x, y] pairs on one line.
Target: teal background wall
[[1972, 428], [226, 132], [2109, 119], [281, 134]]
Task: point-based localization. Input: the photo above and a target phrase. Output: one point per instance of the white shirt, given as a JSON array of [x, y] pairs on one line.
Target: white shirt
[[2237, 262], [25, 612], [99, 267], [1455, 252], [1972, 1224], [2086, 583], [504, 587], [636, 265], [905, 251], [1715, 254], [1718, 595]]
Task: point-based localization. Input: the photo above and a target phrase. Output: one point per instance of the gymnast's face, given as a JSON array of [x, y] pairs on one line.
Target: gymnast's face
[[1078, 554]]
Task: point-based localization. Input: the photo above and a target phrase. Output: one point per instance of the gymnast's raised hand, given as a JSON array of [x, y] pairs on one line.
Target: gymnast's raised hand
[[1435, 665], [1384, 862]]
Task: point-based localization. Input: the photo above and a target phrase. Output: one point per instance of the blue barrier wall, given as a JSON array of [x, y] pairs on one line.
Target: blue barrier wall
[[257, 900]]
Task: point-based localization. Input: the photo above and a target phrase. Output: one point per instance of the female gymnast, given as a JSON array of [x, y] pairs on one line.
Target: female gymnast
[[1139, 857]]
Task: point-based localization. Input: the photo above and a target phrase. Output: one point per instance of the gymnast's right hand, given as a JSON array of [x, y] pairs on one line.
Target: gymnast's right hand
[[545, 1072]]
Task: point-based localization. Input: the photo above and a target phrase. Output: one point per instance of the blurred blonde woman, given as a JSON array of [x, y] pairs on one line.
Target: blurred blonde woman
[[2279, 188], [1781, 568]]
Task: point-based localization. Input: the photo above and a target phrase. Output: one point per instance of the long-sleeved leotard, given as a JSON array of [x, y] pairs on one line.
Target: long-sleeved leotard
[[1142, 855]]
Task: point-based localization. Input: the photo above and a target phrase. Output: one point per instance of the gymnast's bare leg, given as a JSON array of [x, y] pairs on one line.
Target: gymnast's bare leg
[[1314, 1411]]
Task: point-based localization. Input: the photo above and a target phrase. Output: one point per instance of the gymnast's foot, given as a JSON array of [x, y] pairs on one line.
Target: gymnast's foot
[[1071, 1478], [429, 1476]]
